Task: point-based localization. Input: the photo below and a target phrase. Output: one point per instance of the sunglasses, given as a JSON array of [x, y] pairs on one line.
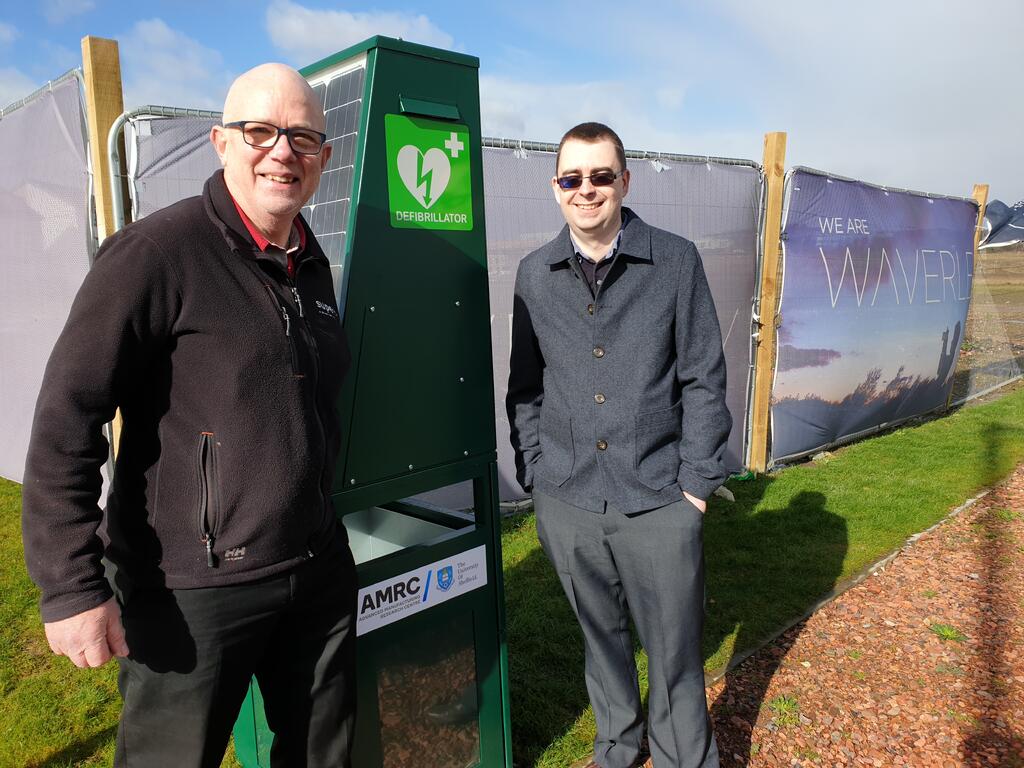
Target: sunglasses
[[599, 179]]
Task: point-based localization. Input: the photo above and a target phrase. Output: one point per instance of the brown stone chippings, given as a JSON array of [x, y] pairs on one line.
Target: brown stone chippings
[[874, 684]]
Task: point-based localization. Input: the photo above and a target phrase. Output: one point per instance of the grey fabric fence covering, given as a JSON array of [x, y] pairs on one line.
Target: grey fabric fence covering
[[168, 160], [713, 203], [44, 213]]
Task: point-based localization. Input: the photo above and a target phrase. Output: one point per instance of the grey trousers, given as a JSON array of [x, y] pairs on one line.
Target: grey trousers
[[651, 565]]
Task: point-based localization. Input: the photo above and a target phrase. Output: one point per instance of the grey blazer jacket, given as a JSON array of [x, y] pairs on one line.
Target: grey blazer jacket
[[618, 398]]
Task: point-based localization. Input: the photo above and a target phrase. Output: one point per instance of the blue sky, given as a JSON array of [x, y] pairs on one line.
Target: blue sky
[[906, 93]]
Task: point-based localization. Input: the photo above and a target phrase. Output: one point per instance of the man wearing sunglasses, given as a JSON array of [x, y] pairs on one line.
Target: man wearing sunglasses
[[616, 401], [212, 325]]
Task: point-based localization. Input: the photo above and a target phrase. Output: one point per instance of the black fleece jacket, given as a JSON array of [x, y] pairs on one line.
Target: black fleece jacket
[[226, 373]]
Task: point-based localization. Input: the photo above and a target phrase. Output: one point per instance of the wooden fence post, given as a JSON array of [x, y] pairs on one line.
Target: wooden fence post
[[980, 196], [104, 103], [768, 301], [101, 67]]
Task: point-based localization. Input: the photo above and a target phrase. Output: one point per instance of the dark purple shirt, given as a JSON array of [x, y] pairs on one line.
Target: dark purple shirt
[[595, 271]]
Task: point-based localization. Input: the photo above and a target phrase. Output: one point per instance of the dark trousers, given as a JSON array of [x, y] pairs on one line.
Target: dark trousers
[[194, 651], [651, 565]]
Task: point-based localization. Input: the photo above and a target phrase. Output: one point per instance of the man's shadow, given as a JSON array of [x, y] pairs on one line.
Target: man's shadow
[[765, 570], [994, 667], [545, 653]]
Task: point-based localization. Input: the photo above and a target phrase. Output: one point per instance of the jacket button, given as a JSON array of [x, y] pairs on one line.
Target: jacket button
[[602, 445], [590, 309], [598, 352], [598, 398]]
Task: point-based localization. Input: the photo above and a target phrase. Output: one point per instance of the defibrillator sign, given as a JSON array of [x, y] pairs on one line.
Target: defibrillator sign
[[429, 184]]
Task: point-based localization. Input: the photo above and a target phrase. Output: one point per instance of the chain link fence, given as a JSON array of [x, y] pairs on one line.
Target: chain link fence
[[992, 351]]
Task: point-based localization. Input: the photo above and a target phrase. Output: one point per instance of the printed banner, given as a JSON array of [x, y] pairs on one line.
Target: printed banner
[[428, 173], [396, 598], [874, 302]]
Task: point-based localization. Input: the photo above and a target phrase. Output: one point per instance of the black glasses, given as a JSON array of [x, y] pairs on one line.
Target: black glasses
[[303, 141], [598, 179]]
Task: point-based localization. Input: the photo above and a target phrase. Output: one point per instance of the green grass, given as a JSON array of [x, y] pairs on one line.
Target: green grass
[[947, 632], [786, 710], [51, 714], [789, 539]]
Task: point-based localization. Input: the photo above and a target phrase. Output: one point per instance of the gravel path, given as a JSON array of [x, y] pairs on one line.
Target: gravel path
[[921, 664]]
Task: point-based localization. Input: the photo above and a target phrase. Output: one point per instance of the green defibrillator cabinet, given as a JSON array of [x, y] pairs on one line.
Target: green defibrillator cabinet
[[400, 214]]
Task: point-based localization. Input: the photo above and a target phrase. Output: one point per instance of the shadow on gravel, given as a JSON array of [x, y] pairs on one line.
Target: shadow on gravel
[[773, 565], [991, 742]]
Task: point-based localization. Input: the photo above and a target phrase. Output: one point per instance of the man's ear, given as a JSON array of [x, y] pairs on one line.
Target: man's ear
[[625, 182], [325, 155], [219, 139], [556, 189]]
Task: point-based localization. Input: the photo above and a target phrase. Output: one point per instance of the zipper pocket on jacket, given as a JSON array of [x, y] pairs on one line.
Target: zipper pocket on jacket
[[314, 368], [207, 511], [287, 320]]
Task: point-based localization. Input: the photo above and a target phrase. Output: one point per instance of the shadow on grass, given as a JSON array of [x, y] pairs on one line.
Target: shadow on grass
[[764, 570], [548, 693], [75, 754]]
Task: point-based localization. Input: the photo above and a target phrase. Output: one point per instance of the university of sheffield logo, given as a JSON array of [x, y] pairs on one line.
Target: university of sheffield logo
[[445, 578]]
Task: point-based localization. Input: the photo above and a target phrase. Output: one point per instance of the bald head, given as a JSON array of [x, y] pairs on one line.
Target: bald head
[[270, 183], [276, 81]]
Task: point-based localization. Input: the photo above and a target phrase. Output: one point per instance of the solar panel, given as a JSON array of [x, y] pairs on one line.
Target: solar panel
[[341, 94]]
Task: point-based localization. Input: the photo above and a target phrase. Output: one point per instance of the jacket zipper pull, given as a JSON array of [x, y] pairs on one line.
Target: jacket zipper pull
[[209, 551], [287, 322], [298, 301]]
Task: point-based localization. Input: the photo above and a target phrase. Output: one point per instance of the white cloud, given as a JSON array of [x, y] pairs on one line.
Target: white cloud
[[15, 85], [894, 93], [161, 65], [902, 94], [57, 11], [543, 111], [305, 35], [651, 87], [8, 33]]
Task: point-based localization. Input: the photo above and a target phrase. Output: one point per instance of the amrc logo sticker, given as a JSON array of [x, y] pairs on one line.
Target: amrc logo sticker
[[403, 595], [429, 184]]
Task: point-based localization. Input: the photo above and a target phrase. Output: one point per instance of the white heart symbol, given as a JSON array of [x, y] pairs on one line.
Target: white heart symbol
[[424, 175]]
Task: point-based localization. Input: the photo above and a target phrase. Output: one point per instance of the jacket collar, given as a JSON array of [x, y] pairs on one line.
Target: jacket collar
[[635, 242], [221, 208]]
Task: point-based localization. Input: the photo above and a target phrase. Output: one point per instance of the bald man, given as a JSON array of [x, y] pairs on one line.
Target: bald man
[[212, 324]]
